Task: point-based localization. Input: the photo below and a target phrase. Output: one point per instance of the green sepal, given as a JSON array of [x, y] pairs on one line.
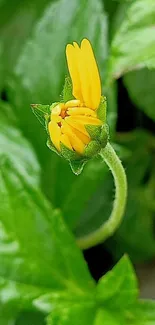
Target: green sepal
[[41, 111], [51, 147], [92, 149], [104, 136], [46, 121], [76, 161], [94, 131], [68, 153], [53, 105], [102, 109], [67, 90], [77, 165]]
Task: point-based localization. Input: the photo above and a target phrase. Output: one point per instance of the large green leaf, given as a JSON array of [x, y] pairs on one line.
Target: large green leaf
[[140, 86], [14, 146], [32, 237], [16, 22], [115, 302], [109, 318], [143, 313], [119, 287], [133, 44], [30, 318], [77, 314], [8, 314]]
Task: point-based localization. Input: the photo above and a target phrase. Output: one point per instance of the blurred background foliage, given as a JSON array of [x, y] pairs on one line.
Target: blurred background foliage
[[33, 36]]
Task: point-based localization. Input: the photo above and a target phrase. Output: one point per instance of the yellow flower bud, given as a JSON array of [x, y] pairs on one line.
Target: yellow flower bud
[[68, 125], [76, 126], [69, 120]]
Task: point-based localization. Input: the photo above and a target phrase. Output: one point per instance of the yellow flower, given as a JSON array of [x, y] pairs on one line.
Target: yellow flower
[[68, 120]]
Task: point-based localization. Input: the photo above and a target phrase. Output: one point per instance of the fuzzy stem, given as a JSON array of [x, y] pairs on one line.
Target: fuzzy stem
[[109, 227]]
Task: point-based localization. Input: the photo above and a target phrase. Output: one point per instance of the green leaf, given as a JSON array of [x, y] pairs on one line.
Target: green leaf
[[33, 234], [119, 286], [133, 45], [142, 314], [16, 18], [30, 318], [115, 302], [7, 314], [47, 302], [77, 314], [107, 317], [140, 86], [14, 146]]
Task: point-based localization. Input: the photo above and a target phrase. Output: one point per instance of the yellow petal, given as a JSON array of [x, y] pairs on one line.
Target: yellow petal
[[56, 118], [76, 143], [72, 103], [65, 140], [73, 70], [55, 133], [84, 138], [76, 124], [81, 111], [83, 75], [57, 109], [87, 120], [92, 73]]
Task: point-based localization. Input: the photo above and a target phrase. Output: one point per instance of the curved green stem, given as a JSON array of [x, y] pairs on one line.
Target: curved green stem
[[109, 227]]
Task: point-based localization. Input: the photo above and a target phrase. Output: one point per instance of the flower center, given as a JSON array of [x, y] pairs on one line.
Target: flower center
[[71, 110]]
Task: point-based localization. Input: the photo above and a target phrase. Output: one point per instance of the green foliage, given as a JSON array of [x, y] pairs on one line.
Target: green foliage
[[78, 314], [43, 276], [12, 36], [119, 286], [143, 314], [30, 318], [133, 45], [140, 85]]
